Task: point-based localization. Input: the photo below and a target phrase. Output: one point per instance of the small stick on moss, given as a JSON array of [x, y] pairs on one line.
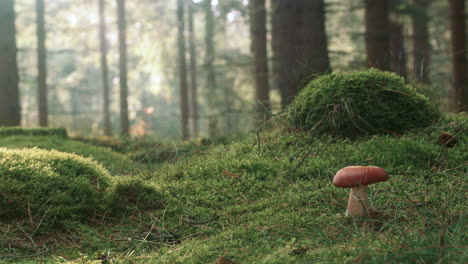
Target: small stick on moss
[[192, 222], [302, 160], [30, 215], [151, 151], [40, 222], [151, 230], [29, 237], [6, 232], [12, 256], [258, 141]]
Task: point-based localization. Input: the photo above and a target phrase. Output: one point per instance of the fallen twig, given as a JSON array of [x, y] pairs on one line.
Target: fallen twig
[[192, 222]]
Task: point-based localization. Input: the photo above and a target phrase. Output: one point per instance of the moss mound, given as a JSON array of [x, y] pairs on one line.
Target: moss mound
[[129, 193], [57, 132], [116, 163], [50, 185], [360, 103]]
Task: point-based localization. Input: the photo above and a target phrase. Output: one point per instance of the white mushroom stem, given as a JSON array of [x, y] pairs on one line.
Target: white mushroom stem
[[358, 202]]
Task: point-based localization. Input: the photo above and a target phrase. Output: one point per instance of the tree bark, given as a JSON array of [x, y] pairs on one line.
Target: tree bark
[[41, 63], [262, 88], [377, 37], [210, 70], [183, 83], [459, 57], [193, 70], [104, 69], [397, 58], [421, 45], [10, 110], [124, 123], [299, 44]]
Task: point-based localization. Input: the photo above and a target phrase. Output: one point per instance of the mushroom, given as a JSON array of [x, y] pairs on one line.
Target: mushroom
[[357, 178]]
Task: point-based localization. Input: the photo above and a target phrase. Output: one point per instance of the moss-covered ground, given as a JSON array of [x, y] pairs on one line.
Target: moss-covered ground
[[268, 198]]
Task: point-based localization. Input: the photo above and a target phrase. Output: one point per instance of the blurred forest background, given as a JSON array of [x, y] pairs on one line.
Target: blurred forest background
[[220, 50]]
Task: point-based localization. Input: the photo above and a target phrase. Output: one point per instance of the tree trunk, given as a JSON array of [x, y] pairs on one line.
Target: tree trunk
[[41, 63], [299, 44], [459, 57], [10, 110], [183, 84], [124, 123], [397, 58], [193, 70], [104, 69], [377, 37], [421, 45], [258, 21], [210, 70], [226, 86]]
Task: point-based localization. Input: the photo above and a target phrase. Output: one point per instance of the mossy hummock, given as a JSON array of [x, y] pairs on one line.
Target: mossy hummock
[[360, 103], [50, 185], [55, 132], [134, 193]]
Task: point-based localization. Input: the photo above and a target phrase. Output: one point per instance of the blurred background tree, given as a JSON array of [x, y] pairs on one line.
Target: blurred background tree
[[222, 84]]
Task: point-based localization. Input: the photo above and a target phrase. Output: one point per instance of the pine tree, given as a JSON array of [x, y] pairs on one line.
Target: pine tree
[[10, 110], [183, 83], [421, 45], [377, 36], [41, 63], [124, 123], [299, 44], [104, 69], [459, 57], [193, 70], [259, 40]]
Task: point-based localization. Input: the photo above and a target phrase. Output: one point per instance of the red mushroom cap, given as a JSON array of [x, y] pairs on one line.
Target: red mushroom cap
[[355, 176]]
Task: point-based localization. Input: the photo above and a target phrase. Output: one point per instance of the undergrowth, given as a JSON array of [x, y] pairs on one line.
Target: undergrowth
[[153, 151], [269, 199], [55, 132]]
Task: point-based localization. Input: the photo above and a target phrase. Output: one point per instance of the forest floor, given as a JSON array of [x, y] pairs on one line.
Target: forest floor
[[268, 198]]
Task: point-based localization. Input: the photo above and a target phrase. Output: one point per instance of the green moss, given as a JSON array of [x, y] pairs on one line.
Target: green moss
[[360, 103], [116, 163], [134, 193], [271, 200], [153, 151], [50, 184], [58, 132]]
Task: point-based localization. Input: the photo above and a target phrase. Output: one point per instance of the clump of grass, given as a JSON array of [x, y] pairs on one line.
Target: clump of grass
[[360, 103], [55, 132], [50, 185]]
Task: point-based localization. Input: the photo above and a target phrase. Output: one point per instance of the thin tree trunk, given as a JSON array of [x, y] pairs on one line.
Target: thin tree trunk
[[262, 90], [225, 87], [104, 69], [124, 123], [210, 70], [10, 110], [183, 83], [397, 58], [42, 63], [459, 57], [421, 45], [299, 43], [377, 37], [193, 70]]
